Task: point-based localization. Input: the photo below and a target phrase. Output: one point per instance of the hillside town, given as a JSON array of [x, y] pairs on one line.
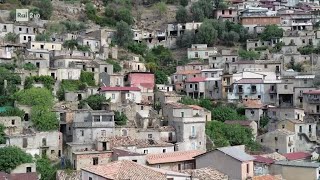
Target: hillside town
[[163, 90]]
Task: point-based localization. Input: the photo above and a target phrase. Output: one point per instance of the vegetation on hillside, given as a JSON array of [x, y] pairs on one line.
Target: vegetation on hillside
[[11, 157]]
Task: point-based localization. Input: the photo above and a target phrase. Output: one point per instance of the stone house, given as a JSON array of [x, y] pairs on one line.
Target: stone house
[[112, 80], [305, 133], [311, 104], [229, 14], [195, 87], [50, 46], [6, 27], [40, 143], [133, 170], [232, 161], [179, 78], [296, 19], [201, 51], [25, 38], [24, 29], [213, 89], [296, 170], [189, 123], [280, 140], [40, 63], [135, 65], [24, 168], [298, 38], [174, 161], [255, 66], [120, 154], [13, 125], [38, 53], [253, 109], [167, 97], [121, 95], [251, 21], [93, 43]]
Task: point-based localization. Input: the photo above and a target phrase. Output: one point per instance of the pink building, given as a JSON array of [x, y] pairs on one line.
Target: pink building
[[144, 81]]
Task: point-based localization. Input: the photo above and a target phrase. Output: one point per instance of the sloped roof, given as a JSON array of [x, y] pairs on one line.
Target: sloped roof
[[207, 173], [121, 153], [176, 156], [312, 92], [267, 177], [249, 81], [297, 155], [19, 176], [108, 88], [236, 153], [125, 169], [261, 159]]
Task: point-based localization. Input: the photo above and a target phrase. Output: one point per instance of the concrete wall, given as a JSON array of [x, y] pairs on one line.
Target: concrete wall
[[280, 145], [233, 168], [296, 173], [86, 159], [13, 124], [45, 45], [23, 168]]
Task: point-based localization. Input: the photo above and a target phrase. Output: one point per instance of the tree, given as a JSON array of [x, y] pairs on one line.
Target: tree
[[2, 134], [45, 8], [248, 55], [43, 37], [124, 35], [124, 14], [186, 39], [223, 113], [138, 48], [88, 78], [152, 66], [35, 97], [161, 77], [96, 101], [43, 118], [10, 37], [271, 31], [29, 67], [230, 134], [120, 118], [231, 37], [161, 8], [201, 9], [13, 80], [182, 15], [11, 157], [184, 3], [206, 34], [91, 11], [46, 170], [116, 65], [70, 44]]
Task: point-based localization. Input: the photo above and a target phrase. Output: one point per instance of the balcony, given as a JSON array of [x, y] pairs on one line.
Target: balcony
[[109, 124]]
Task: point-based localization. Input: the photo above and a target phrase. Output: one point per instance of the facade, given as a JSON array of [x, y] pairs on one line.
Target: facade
[[232, 161], [200, 51], [280, 140]]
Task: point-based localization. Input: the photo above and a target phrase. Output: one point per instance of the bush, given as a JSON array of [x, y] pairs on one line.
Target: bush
[[138, 48], [120, 118], [88, 78], [95, 101], [43, 37], [11, 157], [35, 97], [29, 67], [45, 8], [116, 65]]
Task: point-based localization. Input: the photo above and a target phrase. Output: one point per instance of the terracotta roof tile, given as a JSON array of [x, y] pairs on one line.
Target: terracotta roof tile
[[173, 156], [265, 160], [275, 156], [19, 176], [297, 155], [125, 169], [252, 103], [312, 92], [107, 88], [206, 174], [196, 79]]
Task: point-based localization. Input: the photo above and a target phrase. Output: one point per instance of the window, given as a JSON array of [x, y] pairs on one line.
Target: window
[[24, 37], [103, 133], [222, 11], [41, 55], [193, 131], [303, 41], [193, 145], [259, 96], [179, 167], [271, 96], [150, 136], [276, 138], [20, 29], [190, 85], [277, 150], [38, 64], [196, 54], [266, 66], [164, 150], [44, 142], [52, 151], [25, 143], [90, 178], [285, 86], [310, 130], [106, 69], [305, 81], [248, 170], [261, 140], [28, 169], [41, 46], [283, 126], [300, 128], [13, 122], [134, 160], [141, 108], [113, 96], [82, 132], [158, 166], [95, 160], [182, 114], [145, 151]]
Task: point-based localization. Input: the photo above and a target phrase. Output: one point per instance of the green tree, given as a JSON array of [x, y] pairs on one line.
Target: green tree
[[161, 8], [182, 15], [2, 134], [45, 8], [29, 67], [124, 14], [13, 80], [88, 78], [43, 118], [70, 44], [184, 3], [223, 113], [96, 101], [43, 37], [248, 55], [115, 64], [161, 77], [186, 39], [35, 97], [11, 157], [271, 31], [120, 118], [45, 169], [124, 35], [152, 66], [201, 9], [91, 11], [231, 37], [206, 34], [10, 37], [138, 48]]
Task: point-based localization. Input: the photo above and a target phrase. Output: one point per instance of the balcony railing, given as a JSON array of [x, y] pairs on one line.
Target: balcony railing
[[314, 100]]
